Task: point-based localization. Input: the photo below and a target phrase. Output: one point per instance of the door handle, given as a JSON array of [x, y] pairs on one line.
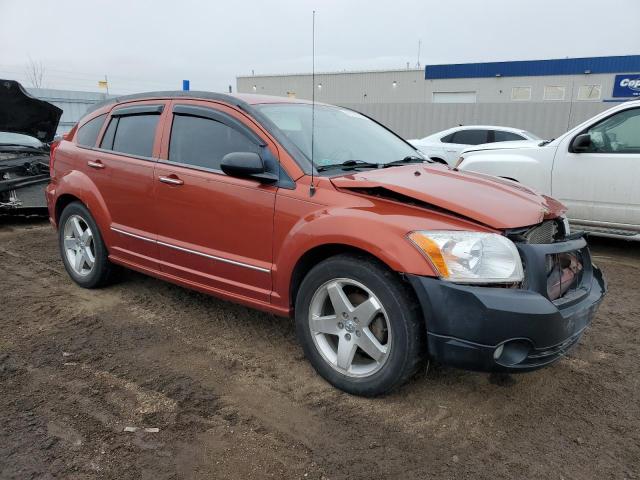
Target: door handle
[[95, 164], [172, 180]]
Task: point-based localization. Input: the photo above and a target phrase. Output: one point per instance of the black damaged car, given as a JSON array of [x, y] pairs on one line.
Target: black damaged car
[[27, 127]]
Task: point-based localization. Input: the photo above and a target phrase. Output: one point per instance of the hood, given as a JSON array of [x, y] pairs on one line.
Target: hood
[[503, 145], [492, 201], [22, 113]]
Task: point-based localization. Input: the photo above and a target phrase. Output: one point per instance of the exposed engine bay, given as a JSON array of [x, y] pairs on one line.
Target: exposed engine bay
[[22, 180]]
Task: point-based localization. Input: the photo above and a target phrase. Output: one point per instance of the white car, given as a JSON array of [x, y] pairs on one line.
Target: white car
[[594, 169], [447, 145]]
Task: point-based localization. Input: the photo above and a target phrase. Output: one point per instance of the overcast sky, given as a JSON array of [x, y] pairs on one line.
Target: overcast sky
[[152, 45]]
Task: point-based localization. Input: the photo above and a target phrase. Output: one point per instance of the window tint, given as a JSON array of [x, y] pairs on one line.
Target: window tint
[[501, 136], [203, 142], [447, 138], [619, 133], [470, 137], [88, 133], [107, 139], [134, 135]]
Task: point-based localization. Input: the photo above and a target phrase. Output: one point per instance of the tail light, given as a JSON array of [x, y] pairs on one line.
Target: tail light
[[56, 143], [52, 150]]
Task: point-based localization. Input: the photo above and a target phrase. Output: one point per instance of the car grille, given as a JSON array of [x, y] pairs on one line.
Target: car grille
[[555, 264], [546, 232], [564, 274]]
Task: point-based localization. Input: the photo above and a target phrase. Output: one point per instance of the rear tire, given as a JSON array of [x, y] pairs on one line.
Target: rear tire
[[82, 249], [360, 326]]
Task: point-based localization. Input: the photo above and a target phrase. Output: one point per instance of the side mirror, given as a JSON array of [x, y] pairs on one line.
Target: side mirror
[[248, 165], [582, 143]]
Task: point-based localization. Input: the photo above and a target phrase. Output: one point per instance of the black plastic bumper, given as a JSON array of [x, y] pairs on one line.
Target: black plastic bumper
[[466, 324]]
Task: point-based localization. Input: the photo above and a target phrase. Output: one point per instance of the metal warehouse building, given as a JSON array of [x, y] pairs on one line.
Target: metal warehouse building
[[545, 97], [73, 103]]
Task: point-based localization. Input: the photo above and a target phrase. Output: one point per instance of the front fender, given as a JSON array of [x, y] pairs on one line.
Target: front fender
[[382, 236]]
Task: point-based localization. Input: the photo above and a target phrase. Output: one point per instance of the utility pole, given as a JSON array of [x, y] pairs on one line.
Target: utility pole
[[106, 83], [419, 45]]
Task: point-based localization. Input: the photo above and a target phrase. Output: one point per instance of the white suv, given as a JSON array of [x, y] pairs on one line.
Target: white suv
[[447, 145], [594, 169]]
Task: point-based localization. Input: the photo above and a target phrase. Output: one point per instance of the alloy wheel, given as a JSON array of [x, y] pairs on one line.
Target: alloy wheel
[[78, 245], [350, 327]]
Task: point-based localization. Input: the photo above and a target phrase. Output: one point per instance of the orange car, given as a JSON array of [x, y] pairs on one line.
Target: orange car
[[383, 257]]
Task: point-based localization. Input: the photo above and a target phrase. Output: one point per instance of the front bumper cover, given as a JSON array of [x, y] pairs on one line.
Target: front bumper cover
[[466, 324]]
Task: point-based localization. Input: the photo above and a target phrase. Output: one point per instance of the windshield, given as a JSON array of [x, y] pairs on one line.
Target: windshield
[[10, 138], [340, 135]]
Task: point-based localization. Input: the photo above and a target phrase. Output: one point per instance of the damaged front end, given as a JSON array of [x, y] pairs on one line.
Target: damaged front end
[[27, 126], [23, 177]]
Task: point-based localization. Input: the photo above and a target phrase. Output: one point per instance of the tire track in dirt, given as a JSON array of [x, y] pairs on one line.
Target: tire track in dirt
[[241, 402], [253, 401]]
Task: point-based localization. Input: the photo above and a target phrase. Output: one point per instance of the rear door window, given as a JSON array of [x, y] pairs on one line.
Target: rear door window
[[502, 136], [88, 133], [134, 134], [203, 142], [470, 137]]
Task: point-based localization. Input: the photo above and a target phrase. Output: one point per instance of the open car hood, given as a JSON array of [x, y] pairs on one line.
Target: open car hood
[[492, 201], [22, 113]]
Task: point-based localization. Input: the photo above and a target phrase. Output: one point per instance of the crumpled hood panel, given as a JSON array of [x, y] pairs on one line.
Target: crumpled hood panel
[[492, 201], [22, 113]]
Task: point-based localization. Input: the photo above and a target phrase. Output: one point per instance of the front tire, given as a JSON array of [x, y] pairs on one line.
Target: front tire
[[82, 249], [359, 325]]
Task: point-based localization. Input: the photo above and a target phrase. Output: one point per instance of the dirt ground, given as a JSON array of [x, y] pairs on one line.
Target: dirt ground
[[232, 396]]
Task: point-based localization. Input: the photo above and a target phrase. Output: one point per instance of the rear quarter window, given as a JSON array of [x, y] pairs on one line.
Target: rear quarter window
[[447, 138], [88, 133]]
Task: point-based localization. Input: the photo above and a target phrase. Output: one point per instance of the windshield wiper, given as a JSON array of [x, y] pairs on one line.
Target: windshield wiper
[[405, 160], [349, 164], [545, 142]]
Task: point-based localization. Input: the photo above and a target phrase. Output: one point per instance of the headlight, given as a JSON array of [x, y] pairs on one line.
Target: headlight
[[565, 223], [470, 257]]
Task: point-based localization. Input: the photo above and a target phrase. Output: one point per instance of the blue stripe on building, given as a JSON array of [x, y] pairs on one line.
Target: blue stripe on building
[[526, 68]]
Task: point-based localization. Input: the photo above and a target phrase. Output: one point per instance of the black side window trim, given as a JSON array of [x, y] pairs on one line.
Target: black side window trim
[[121, 154], [113, 120], [137, 110], [203, 112]]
